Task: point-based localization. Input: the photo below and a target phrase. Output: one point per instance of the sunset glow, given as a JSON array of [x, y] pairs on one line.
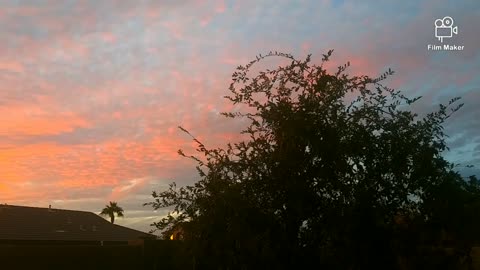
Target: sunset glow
[[92, 92]]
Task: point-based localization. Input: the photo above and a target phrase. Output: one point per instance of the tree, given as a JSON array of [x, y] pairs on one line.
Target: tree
[[332, 161], [111, 210]]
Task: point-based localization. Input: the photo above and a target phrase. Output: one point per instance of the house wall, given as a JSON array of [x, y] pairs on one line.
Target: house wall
[[153, 255]]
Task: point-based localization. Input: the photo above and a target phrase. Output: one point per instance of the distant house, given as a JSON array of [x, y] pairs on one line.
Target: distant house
[[47, 238], [32, 225]]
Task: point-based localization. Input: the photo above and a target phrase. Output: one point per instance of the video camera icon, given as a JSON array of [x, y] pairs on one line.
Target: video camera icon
[[444, 28]]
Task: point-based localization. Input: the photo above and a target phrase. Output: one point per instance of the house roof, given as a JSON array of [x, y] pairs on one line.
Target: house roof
[[33, 223]]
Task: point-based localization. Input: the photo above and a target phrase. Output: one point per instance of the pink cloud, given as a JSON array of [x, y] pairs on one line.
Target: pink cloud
[[92, 120], [128, 188], [73, 47], [174, 28], [117, 115], [220, 6], [306, 47], [108, 37], [206, 20]]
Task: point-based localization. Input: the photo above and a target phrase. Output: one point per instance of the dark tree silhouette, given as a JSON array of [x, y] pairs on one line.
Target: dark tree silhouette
[[111, 210], [336, 166]]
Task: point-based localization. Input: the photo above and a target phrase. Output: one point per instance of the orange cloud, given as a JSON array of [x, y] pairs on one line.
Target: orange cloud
[[11, 66], [16, 162], [32, 120], [113, 165]]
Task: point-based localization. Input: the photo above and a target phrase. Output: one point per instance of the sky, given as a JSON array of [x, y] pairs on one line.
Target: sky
[[92, 92]]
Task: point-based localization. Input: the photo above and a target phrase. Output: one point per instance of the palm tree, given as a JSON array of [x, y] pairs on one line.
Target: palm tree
[[112, 209]]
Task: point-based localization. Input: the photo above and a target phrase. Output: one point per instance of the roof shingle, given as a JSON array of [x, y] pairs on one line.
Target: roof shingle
[[32, 223]]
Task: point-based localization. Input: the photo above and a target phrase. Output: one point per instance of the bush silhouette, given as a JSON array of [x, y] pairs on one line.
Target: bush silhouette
[[338, 173]]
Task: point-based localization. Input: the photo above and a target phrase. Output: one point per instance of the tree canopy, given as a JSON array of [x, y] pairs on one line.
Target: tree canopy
[[336, 166], [111, 210]]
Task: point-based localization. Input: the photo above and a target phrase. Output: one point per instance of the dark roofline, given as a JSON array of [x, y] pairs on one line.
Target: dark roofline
[[47, 208], [99, 217]]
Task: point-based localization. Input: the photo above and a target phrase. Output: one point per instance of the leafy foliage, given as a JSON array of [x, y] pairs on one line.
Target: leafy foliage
[[332, 164], [111, 210]]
